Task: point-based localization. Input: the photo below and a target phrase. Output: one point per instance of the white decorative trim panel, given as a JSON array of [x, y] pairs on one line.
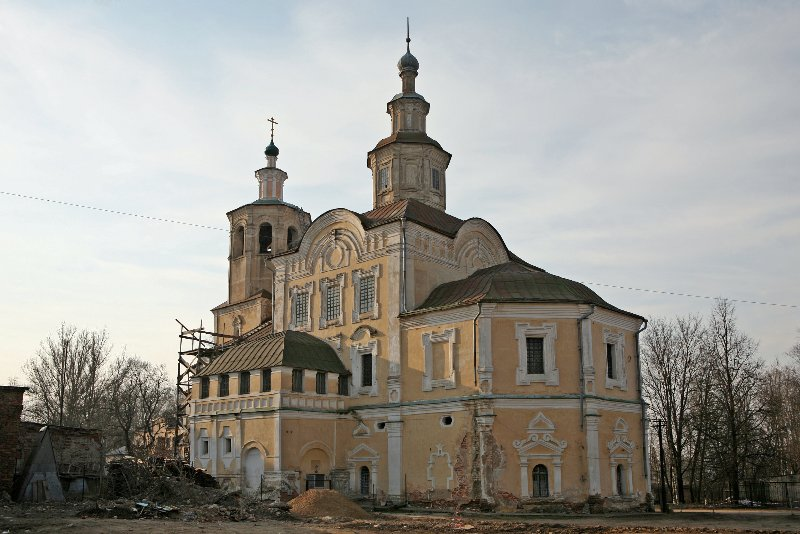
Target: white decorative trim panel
[[297, 293], [617, 339], [548, 333], [620, 452], [448, 339], [326, 285], [540, 447], [357, 350], [432, 459], [357, 275]]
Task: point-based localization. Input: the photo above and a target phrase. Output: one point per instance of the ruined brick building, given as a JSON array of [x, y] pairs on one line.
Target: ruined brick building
[[407, 353]]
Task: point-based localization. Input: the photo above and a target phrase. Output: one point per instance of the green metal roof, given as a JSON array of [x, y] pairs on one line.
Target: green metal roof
[[281, 349], [512, 282]]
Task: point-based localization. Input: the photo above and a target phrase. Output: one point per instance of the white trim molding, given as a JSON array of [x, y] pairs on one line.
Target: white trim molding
[[448, 338], [439, 453], [373, 272], [356, 351], [540, 447], [362, 454], [620, 452], [548, 332], [324, 285], [617, 339], [294, 292]]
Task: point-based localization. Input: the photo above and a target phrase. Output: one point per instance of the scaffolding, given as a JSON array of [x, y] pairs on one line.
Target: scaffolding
[[203, 347]]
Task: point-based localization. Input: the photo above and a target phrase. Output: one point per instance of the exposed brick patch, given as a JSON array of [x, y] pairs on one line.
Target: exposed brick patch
[[10, 412]]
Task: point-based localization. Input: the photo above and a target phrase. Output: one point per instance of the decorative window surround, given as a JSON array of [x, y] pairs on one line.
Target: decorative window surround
[[226, 446], [548, 333], [449, 382], [620, 452], [324, 287], [356, 351], [439, 453], [357, 275], [540, 448], [204, 447], [620, 380], [294, 293], [362, 454]]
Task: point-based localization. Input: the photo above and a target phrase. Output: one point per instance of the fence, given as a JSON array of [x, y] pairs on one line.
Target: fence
[[771, 492]]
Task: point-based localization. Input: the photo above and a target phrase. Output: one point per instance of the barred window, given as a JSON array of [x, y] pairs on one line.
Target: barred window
[[383, 178], [366, 296], [224, 385], [244, 382], [435, 179], [535, 347], [322, 383], [297, 380], [344, 385], [204, 383], [301, 309], [610, 371], [333, 303], [366, 370], [266, 379]]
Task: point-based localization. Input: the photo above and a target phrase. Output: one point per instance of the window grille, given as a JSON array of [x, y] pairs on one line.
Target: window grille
[[535, 351], [266, 379], [204, 383], [224, 385], [322, 383], [344, 385], [610, 371], [244, 382], [435, 179], [297, 380], [301, 309], [540, 482], [366, 370], [383, 178], [333, 303], [366, 297], [364, 480]]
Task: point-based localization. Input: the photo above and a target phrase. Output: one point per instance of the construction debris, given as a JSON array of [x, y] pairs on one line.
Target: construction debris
[[326, 503]]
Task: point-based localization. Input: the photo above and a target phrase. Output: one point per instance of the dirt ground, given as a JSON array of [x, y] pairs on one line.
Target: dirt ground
[[74, 518]]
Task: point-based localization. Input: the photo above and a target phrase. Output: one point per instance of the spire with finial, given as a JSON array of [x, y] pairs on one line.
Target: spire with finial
[[408, 64], [271, 151]]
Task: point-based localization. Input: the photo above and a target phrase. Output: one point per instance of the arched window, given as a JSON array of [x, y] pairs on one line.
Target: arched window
[[620, 483], [237, 248], [291, 237], [364, 480], [540, 482], [265, 239]]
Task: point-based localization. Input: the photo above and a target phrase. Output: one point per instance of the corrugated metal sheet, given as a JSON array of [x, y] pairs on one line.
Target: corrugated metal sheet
[[287, 349]]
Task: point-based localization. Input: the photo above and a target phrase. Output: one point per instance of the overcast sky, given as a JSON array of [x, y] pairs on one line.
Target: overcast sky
[[653, 145]]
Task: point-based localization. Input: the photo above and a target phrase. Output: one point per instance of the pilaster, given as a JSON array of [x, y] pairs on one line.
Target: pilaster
[[394, 434], [593, 451]]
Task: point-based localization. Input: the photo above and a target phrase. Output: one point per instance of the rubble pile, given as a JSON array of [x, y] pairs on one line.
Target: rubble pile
[[165, 481], [326, 503]]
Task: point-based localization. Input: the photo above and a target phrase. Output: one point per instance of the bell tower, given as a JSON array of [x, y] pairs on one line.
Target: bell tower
[[259, 230], [408, 163]]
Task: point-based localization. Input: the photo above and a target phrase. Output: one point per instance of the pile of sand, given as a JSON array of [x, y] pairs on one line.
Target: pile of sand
[[323, 502]]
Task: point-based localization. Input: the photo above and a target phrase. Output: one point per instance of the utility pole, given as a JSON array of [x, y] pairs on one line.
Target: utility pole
[[663, 483]]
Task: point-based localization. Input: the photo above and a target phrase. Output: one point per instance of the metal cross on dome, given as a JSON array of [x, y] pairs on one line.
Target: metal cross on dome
[[272, 128]]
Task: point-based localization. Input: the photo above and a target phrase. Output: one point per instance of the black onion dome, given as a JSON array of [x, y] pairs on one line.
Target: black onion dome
[[408, 62], [271, 149]]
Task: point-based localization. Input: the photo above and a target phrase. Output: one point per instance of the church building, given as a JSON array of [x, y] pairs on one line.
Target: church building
[[406, 354]]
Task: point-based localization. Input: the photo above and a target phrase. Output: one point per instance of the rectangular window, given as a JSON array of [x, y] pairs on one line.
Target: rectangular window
[[383, 178], [435, 179], [227, 445], [224, 385], [297, 380], [366, 295], [344, 385], [301, 309], [322, 383], [366, 370], [535, 347], [244, 382], [610, 371], [266, 380], [204, 383], [333, 303], [204, 447]]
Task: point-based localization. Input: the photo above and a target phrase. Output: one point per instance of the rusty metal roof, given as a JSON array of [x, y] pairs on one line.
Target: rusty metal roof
[[420, 138], [413, 210], [512, 282], [281, 349]]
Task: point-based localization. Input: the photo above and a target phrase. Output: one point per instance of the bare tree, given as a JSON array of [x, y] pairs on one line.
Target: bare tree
[[66, 377]]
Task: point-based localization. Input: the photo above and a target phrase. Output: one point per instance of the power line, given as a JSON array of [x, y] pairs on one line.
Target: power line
[[675, 293], [138, 215], [159, 219]]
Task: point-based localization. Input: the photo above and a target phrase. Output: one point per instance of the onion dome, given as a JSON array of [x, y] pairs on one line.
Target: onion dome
[[271, 149], [408, 62]]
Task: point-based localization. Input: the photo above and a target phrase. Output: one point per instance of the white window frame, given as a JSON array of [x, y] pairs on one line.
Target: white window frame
[[617, 339], [324, 285], [356, 351], [203, 443], [549, 333], [226, 437], [307, 289], [447, 337], [374, 272]]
